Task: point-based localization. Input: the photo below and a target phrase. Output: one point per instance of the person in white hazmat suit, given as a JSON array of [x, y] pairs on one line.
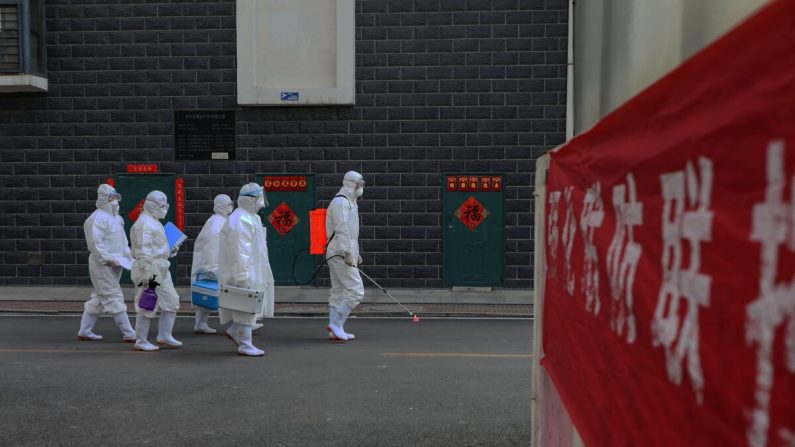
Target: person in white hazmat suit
[[205, 254], [243, 262], [151, 252], [342, 253], [109, 251]]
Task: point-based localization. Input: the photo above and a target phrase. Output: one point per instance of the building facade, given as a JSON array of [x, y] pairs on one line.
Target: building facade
[[442, 86]]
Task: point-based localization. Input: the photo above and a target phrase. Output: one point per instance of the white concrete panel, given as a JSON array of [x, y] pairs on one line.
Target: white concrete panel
[[295, 52], [300, 43]]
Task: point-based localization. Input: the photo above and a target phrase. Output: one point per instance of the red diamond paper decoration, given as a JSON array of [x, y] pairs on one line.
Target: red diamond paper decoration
[[472, 213], [137, 210], [283, 219]]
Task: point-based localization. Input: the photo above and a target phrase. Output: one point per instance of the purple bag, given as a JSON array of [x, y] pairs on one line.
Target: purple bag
[[148, 299]]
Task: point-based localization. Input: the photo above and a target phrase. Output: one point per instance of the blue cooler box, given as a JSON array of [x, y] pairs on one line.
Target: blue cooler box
[[204, 293]]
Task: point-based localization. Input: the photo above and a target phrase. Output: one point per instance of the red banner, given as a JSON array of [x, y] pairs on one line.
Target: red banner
[[179, 191], [669, 309]]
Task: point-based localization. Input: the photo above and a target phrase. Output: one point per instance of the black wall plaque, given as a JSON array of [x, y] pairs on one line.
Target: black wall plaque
[[204, 135]]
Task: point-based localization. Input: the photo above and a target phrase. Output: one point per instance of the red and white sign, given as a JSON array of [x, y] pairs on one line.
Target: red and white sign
[[669, 306], [142, 169]]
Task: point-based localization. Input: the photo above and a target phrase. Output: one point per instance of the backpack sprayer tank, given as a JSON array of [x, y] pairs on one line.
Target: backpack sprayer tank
[[317, 231]]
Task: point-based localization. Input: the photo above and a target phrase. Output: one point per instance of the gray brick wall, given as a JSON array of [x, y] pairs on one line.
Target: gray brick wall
[[442, 86]]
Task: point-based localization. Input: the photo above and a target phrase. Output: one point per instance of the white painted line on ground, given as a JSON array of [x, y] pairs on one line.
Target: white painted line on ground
[[457, 354]]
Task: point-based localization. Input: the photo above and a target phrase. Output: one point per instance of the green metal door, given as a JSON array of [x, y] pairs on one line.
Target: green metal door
[[286, 219], [133, 189], [474, 230]]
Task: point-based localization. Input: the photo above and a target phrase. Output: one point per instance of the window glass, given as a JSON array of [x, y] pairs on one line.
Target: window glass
[[9, 38], [37, 42]]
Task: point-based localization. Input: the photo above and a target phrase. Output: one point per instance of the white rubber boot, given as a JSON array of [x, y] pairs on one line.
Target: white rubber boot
[[164, 328], [141, 333], [231, 333], [123, 322], [245, 347], [335, 332], [87, 323], [256, 327], [200, 326], [344, 311]]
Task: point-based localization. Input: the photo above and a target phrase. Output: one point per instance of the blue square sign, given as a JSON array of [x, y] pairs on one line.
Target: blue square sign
[[289, 96]]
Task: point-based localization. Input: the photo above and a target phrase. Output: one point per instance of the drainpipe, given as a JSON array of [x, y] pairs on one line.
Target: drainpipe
[[570, 76]]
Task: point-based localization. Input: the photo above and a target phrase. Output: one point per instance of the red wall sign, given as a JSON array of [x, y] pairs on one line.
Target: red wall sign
[[472, 213], [142, 169], [469, 183], [451, 183], [283, 218]]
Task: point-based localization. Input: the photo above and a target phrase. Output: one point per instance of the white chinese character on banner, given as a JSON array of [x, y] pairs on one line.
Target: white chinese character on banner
[[590, 219], [569, 228], [623, 256], [680, 336], [787, 437], [554, 232], [773, 227]]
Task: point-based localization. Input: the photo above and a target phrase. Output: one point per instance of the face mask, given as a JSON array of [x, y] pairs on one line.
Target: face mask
[[359, 192], [229, 209], [114, 207], [260, 202], [161, 213]]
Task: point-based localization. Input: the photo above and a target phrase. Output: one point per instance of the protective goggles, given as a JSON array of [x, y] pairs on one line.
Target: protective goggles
[[254, 193], [114, 196]]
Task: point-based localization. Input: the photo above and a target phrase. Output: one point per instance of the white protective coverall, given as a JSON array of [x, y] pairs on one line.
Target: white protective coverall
[[243, 262], [342, 253], [205, 254], [109, 250], [151, 252]]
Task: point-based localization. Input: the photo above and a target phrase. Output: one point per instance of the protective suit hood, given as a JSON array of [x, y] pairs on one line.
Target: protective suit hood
[[223, 205], [252, 198], [156, 205], [105, 195], [352, 186]]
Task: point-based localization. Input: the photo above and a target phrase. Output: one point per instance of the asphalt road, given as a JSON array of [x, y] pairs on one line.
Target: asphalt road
[[435, 383]]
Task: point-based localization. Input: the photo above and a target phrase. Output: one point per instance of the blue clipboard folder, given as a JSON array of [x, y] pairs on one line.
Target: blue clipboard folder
[[204, 292], [174, 235]]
